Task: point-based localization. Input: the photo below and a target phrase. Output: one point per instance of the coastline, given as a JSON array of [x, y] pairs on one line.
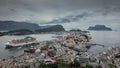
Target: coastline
[[57, 44]]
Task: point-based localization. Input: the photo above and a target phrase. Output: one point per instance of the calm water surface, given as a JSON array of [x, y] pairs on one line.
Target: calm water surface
[[15, 52], [107, 38]]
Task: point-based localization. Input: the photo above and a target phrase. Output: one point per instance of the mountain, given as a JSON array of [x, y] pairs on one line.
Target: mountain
[[19, 28], [44, 27], [20, 32], [75, 30], [55, 28], [13, 25], [100, 28]]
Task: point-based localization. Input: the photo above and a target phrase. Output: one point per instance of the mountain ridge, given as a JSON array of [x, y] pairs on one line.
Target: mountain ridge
[[13, 25]]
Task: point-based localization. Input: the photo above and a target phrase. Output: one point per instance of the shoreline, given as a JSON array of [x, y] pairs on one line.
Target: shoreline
[[61, 44]]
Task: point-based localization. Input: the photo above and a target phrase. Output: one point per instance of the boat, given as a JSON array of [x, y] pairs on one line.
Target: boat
[[31, 50], [27, 41]]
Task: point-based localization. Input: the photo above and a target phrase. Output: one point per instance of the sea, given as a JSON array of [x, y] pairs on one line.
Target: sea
[[106, 38], [18, 51]]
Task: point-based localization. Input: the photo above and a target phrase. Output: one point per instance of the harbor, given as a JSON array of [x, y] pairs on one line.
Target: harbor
[[59, 33], [70, 48]]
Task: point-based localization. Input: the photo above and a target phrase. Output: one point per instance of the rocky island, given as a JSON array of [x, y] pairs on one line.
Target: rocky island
[[99, 28]]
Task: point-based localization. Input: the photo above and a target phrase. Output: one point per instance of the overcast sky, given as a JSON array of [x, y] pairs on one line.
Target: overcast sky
[[70, 13]]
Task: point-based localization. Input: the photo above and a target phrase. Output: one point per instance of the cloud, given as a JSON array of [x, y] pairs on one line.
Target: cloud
[[84, 19], [49, 9], [69, 18], [66, 12]]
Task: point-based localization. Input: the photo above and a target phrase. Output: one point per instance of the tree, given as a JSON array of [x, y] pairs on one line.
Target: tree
[[89, 66], [76, 63], [61, 64], [42, 65], [44, 48], [99, 66], [112, 66]]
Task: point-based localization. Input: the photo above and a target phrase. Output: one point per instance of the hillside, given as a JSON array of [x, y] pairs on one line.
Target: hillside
[[55, 28], [13, 25]]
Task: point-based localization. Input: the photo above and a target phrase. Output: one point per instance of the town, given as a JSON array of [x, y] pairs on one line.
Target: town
[[69, 50]]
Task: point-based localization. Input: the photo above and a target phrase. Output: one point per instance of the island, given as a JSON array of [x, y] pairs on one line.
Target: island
[[99, 28]]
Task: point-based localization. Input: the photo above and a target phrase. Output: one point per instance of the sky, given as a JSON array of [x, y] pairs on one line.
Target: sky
[[72, 14]]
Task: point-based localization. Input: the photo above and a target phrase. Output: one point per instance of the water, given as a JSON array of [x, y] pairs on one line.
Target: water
[[16, 52], [107, 38]]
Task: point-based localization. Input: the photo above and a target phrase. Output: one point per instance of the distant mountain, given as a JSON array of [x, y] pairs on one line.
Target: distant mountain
[[100, 28], [20, 32], [75, 30], [44, 27], [13, 25], [14, 28], [55, 28]]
